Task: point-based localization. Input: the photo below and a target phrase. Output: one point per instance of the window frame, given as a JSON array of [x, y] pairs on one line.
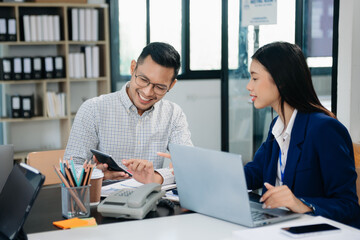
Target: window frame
[[223, 73]]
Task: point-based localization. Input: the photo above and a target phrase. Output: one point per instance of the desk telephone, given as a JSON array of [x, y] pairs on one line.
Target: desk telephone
[[131, 203]]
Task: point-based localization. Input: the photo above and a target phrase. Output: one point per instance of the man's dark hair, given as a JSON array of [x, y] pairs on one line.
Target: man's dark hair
[[163, 54]]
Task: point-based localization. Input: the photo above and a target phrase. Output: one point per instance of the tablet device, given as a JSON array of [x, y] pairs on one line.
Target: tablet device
[[105, 158], [16, 199]]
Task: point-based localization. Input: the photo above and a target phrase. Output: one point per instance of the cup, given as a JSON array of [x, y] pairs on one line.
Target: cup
[[96, 184], [75, 201]]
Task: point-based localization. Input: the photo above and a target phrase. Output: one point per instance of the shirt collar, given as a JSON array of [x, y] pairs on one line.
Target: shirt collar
[[279, 126], [128, 104]]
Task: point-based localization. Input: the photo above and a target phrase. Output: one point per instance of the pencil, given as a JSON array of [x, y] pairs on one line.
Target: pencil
[[73, 194]]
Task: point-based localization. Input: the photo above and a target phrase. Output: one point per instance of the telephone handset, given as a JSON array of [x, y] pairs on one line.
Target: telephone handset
[[131, 203]]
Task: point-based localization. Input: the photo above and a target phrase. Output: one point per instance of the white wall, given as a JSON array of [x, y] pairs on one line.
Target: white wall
[[348, 102], [201, 102]]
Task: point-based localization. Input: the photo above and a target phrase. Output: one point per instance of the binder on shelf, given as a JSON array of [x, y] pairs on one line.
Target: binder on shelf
[[3, 29], [33, 29], [27, 103], [26, 26], [88, 25], [17, 63], [27, 73], [94, 25], [5, 69], [74, 24], [16, 106], [50, 20], [56, 20], [59, 67], [39, 28], [71, 65], [48, 67], [77, 65], [88, 62], [37, 68], [11, 29], [95, 61], [45, 27], [82, 36], [82, 65]]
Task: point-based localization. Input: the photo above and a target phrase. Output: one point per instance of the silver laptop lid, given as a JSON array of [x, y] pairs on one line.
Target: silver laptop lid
[[212, 183], [6, 163]]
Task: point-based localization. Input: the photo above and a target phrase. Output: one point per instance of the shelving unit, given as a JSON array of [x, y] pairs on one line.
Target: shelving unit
[[42, 132]]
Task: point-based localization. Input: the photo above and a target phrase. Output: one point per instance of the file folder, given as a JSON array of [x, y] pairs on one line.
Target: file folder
[[88, 61], [5, 69], [33, 28], [27, 103], [27, 68], [49, 67], [17, 63], [37, 69], [3, 29], [16, 106], [59, 67], [26, 28], [74, 24], [39, 28], [11, 29]]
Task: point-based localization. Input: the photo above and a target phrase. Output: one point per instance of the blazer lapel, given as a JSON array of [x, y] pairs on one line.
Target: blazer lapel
[[295, 148]]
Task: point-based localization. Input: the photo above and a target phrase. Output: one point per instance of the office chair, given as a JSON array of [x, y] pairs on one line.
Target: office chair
[[44, 161], [357, 167]]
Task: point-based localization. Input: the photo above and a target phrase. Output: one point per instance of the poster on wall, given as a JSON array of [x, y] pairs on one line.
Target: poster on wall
[[258, 12]]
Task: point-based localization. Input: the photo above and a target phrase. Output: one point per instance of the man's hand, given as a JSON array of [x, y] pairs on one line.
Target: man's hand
[[143, 171], [113, 175], [282, 196]]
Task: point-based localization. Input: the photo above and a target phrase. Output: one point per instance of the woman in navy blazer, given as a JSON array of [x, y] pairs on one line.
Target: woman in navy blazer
[[306, 163]]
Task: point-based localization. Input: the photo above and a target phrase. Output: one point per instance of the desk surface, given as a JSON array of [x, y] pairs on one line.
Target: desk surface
[[157, 225], [184, 226], [47, 209]]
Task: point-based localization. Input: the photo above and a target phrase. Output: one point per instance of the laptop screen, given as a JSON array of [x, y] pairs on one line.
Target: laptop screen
[[17, 198]]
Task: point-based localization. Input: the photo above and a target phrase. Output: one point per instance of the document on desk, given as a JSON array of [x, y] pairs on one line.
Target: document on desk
[[273, 232], [129, 183]]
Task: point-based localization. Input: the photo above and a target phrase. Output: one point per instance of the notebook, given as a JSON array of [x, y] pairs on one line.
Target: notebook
[[213, 183], [18, 196], [6, 163]]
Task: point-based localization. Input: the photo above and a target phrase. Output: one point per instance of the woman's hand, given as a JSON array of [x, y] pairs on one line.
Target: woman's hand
[[281, 196]]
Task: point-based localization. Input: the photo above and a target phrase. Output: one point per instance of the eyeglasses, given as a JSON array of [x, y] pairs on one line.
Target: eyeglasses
[[159, 89]]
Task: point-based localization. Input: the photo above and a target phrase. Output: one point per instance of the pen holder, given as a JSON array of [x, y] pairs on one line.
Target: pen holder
[[75, 201]]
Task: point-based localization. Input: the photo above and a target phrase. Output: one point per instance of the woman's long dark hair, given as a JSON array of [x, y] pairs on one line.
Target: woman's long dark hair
[[287, 65]]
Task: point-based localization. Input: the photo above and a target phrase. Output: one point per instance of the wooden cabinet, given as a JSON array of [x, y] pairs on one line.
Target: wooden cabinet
[[43, 131]]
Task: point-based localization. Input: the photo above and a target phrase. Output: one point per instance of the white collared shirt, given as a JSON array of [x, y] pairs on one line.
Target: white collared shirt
[[283, 139]]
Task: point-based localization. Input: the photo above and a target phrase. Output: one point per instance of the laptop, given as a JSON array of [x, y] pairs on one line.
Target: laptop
[[213, 183], [16, 199], [6, 163]]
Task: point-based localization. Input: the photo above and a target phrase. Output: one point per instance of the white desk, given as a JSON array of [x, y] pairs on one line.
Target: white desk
[[185, 226]]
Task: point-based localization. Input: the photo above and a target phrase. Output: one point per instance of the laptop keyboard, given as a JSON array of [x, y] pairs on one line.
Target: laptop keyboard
[[259, 216]]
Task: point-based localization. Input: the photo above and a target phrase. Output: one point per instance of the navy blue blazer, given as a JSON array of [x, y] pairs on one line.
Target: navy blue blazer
[[319, 169]]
